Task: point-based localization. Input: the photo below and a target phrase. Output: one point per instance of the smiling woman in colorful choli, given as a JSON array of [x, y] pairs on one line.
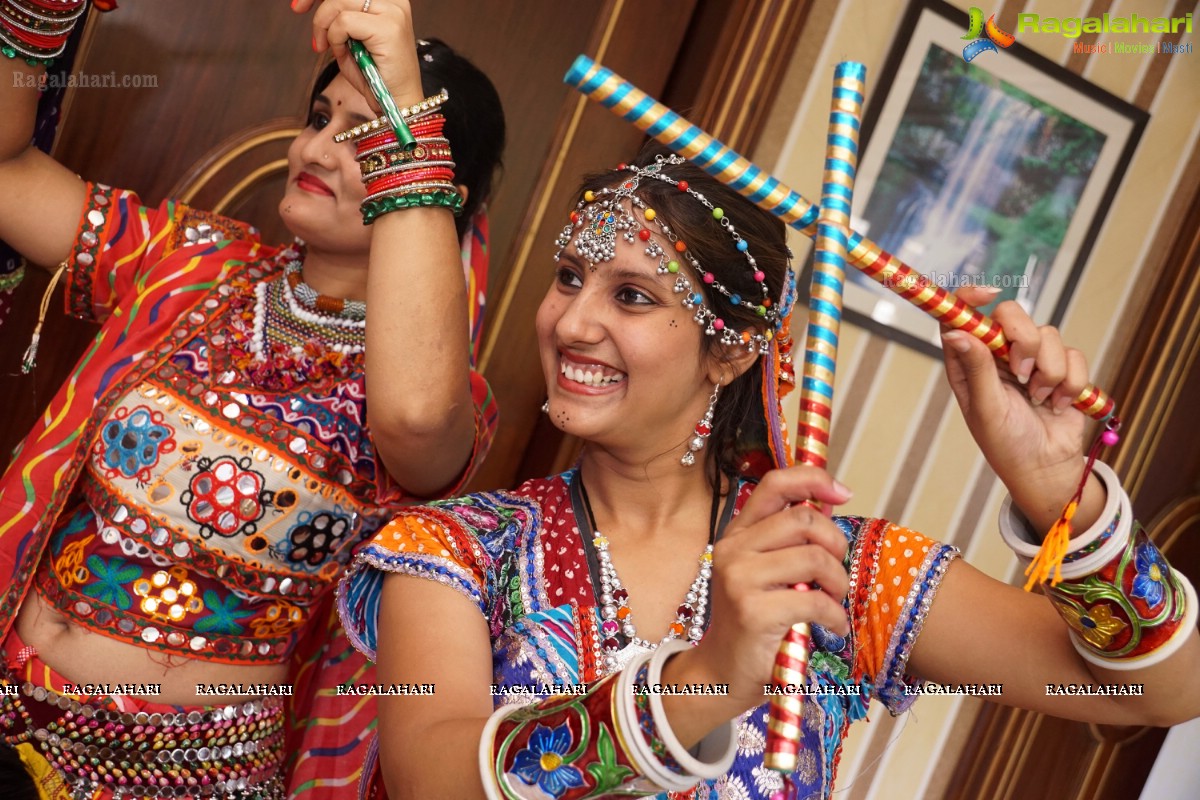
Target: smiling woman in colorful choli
[[627, 613]]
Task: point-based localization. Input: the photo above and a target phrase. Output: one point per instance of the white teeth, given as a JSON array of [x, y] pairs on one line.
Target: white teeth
[[589, 377]]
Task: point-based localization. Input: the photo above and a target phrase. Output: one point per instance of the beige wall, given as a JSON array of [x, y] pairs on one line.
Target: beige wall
[[898, 439]]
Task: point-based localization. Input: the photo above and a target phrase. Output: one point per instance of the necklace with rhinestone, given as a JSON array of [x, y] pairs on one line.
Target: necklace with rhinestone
[[616, 616]]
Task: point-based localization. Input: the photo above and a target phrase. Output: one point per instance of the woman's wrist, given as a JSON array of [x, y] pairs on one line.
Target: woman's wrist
[[693, 717], [1042, 503], [1126, 607]]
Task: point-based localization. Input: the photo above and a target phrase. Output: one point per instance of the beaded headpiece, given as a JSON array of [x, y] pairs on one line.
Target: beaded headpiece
[[603, 214]]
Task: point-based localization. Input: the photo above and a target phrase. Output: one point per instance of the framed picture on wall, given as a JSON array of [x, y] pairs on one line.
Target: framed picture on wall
[[998, 171]]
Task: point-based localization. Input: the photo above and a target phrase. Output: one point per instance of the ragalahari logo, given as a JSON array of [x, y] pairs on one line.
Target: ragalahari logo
[[985, 35]]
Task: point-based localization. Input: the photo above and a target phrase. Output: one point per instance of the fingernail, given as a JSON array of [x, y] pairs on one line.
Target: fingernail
[[1039, 397], [990, 289], [957, 340], [294, 4], [1061, 404], [314, 44], [843, 489], [1024, 370]]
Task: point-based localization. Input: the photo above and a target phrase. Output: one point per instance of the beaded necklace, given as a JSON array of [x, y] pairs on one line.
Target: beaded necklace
[[616, 616], [318, 303], [278, 344]]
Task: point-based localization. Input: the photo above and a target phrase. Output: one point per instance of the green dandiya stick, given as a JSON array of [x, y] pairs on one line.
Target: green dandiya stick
[[390, 110]]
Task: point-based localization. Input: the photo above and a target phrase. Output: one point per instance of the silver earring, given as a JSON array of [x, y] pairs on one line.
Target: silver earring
[[702, 432], [546, 407]]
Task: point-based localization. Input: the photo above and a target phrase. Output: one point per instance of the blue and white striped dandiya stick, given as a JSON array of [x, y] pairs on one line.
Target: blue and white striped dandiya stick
[[644, 112], [635, 106], [829, 265]]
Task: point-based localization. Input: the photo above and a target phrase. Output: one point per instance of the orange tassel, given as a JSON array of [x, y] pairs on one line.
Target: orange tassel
[[1057, 543], [1053, 551]]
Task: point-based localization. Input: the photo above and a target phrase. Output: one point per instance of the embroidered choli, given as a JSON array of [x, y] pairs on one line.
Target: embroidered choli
[[224, 487], [520, 559]]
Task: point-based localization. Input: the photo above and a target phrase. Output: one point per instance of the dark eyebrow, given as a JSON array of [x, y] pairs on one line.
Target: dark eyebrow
[[635, 275], [355, 118], [573, 258]]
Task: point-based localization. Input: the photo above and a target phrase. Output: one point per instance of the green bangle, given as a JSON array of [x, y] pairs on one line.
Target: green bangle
[[12, 52], [443, 199], [11, 280]]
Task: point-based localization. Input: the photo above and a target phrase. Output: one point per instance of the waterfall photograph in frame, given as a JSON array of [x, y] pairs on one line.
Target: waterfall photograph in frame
[[998, 171]]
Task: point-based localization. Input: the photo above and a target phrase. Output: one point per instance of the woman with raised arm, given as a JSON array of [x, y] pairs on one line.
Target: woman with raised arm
[[626, 614], [172, 529]]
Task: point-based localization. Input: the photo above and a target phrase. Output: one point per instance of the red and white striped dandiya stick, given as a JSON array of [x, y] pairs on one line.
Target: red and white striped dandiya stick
[[647, 114], [816, 388]]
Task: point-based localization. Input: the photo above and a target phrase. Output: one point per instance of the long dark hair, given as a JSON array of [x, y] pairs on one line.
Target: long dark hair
[[739, 412], [474, 118]]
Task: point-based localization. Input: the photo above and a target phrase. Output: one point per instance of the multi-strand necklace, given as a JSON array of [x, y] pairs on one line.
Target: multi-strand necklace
[[317, 303], [285, 334], [616, 615]]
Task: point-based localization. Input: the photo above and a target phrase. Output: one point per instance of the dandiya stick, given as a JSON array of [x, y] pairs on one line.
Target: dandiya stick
[[647, 114], [379, 89], [816, 389]]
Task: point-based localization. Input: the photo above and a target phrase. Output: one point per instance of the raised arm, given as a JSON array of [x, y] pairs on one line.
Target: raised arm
[[982, 631], [419, 383], [41, 201]]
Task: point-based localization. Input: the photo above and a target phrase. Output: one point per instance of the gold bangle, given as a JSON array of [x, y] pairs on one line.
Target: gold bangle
[[413, 112]]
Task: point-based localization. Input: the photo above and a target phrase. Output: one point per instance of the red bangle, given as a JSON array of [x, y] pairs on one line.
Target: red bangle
[[386, 137], [33, 34], [409, 177]]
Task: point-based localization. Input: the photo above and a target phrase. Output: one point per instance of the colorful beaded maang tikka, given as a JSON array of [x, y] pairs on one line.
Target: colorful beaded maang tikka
[[599, 216]]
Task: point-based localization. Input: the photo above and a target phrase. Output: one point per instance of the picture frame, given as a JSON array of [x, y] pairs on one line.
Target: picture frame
[[998, 171]]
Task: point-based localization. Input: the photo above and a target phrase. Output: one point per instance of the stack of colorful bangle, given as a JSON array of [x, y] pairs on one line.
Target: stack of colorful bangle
[[397, 178], [1126, 607], [37, 30]]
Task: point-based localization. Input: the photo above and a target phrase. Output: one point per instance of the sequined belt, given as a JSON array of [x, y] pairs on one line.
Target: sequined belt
[[227, 753]]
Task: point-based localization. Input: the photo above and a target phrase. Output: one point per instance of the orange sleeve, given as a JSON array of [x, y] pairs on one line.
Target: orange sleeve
[[894, 574]]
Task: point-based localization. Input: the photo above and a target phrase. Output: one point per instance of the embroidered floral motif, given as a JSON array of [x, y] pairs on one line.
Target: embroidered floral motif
[[226, 497], [315, 538], [542, 764], [131, 443], [766, 781], [827, 640], [1097, 625], [168, 596], [480, 517], [1150, 582], [226, 612], [750, 740], [112, 577], [829, 664], [730, 787]]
